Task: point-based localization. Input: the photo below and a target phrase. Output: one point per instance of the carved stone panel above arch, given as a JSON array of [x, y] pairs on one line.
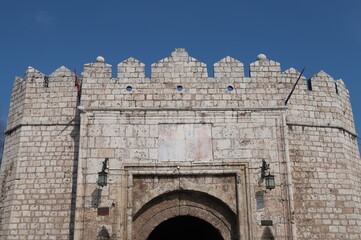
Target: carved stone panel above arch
[[215, 194]]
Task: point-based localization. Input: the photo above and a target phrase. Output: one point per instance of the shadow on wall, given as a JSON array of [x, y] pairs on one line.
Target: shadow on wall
[[267, 234], [96, 198], [75, 122], [260, 200]]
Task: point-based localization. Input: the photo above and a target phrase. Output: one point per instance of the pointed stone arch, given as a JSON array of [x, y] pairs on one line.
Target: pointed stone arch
[[185, 203]]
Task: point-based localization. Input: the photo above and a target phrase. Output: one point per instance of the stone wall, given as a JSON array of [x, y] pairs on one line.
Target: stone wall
[[133, 138], [325, 169], [173, 138]]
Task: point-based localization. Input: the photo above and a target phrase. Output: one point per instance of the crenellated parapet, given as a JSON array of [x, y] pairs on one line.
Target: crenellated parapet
[[39, 98], [321, 101], [181, 81]]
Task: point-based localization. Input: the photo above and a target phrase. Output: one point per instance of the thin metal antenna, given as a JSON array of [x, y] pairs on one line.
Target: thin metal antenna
[[294, 87]]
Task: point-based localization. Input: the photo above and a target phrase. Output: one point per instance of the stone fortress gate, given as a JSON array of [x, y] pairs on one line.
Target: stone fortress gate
[[182, 153]]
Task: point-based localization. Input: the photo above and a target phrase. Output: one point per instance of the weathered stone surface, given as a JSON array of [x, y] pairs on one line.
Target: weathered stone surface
[[180, 143]]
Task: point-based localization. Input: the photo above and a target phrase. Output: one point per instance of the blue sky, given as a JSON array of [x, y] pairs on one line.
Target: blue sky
[[316, 34]]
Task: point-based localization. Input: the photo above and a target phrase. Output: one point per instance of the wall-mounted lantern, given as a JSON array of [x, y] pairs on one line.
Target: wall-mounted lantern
[[265, 174], [103, 175], [270, 181]]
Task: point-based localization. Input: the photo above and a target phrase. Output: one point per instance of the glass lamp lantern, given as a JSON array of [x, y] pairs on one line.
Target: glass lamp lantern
[[270, 181], [102, 178], [103, 175]]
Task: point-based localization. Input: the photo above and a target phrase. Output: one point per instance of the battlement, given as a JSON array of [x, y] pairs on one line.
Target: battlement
[[38, 98], [181, 81]]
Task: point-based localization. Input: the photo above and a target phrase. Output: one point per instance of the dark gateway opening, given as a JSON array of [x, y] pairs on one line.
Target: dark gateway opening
[[185, 228]]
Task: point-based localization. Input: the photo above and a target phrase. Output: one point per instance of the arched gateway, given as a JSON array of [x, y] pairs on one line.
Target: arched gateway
[[185, 214]]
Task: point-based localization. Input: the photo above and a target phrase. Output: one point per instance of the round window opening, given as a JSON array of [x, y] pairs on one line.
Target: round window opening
[[129, 88], [230, 88], [180, 88]]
